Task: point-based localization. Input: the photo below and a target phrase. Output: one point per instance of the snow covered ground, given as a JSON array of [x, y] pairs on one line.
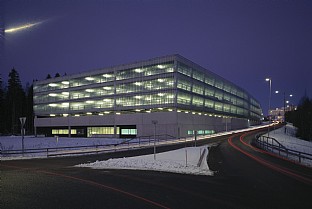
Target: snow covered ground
[[42, 147], [31, 142], [289, 141], [177, 161]]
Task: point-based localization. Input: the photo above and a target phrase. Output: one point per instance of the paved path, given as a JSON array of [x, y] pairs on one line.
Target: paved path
[[241, 182]]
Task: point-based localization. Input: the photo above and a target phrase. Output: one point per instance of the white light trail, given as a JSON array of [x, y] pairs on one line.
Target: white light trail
[[26, 26]]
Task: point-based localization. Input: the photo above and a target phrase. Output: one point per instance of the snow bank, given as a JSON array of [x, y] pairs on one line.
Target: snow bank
[[289, 140], [177, 161]]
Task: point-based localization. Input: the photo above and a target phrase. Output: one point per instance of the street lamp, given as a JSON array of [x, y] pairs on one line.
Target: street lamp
[[270, 94], [285, 102], [154, 122]]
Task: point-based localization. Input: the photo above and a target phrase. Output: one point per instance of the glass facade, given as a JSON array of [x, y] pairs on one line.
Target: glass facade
[[162, 84], [95, 131], [207, 92]]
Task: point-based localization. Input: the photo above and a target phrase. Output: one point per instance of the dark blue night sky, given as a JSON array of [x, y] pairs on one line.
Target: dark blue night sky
[[244, 41]]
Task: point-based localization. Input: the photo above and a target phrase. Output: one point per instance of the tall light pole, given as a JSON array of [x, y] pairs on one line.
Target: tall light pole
[[270, 81], [154, 122], [285, 102], [285, 110]]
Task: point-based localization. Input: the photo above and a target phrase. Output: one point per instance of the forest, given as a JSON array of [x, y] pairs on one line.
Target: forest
[[15, 102], [302, 118]]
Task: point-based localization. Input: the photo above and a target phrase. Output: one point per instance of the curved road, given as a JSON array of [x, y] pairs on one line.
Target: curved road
[[245, 178]]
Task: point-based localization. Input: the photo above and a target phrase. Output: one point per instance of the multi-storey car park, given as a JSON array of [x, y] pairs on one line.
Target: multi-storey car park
[[170, 94]]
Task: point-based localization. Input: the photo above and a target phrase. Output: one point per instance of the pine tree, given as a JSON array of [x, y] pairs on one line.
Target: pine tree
[[2, 108], [29, 109], [304, 119], [57, 75], [15, 101], [48, 76]]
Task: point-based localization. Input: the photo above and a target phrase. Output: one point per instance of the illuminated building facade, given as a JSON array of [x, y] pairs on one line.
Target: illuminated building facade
[[278, 114], [123, 101]]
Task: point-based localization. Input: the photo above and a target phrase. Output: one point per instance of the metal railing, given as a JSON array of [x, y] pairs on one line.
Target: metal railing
[[133, 143], [201, 158], [127, 144], [272, 145]]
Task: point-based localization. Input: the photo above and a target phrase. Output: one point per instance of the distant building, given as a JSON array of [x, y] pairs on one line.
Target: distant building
[[179, 96], [278, 114]]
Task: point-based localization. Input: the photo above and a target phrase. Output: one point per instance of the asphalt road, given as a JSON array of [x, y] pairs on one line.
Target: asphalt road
[[245, 178]]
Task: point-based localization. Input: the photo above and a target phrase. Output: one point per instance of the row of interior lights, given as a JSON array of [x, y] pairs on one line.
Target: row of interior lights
[[138, 70], [147, 111]]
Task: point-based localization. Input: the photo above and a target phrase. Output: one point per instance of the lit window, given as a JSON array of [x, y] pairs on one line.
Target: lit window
[[138, 83], [138, 70], [89, 78], [161, 66], [65, 104], [65, 82], [190, 132], [63, 131], [131, 131], [53, 84], [52, 95], [107, 75]]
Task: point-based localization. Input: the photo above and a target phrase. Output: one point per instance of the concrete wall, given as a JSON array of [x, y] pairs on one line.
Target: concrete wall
[[169, 123], [203, 122]]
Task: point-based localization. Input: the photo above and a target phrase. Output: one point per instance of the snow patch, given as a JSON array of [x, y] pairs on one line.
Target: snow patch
[[183, 161]]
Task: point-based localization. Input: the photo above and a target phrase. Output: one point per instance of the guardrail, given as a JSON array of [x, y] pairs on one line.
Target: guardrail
[[90, 149], [272, 145], [201, 158]]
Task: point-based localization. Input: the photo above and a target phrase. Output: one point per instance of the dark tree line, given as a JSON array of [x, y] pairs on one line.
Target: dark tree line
[[15, 102], [302, 118]]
